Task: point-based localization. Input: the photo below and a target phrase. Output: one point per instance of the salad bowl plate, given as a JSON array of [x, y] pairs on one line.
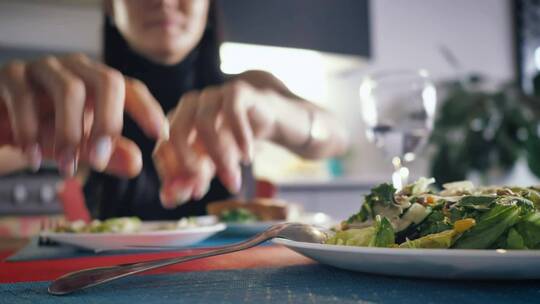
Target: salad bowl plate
[[425, 263]]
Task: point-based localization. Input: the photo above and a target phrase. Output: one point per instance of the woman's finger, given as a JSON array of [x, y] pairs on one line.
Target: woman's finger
[[6, 137], [106, 88], [145, 109], [215, 136], [177, 187], [201, 185], [20, 105], [125, 160], [175, 192], [166, 164], [182, 135], [68, 94], [235, 109]]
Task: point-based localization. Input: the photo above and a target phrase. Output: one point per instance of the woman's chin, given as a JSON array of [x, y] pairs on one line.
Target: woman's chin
[[164, 49], [166, 56]]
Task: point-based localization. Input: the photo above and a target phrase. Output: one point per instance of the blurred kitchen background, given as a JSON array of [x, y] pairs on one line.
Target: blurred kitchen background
[[321, 49]]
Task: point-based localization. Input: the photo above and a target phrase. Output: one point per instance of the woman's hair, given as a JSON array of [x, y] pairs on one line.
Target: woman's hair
[[207, 63]]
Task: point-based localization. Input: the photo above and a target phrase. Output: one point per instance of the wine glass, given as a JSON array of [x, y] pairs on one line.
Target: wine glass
[[398, 109]]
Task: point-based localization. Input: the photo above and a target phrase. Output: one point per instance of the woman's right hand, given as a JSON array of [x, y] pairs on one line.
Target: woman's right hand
[[70, 109]]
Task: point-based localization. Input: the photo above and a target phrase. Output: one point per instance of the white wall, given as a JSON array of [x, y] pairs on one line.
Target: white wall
[[407, 34], [55, 26]]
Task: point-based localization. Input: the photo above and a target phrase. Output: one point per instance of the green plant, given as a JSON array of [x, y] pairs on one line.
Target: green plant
[[480, 130]]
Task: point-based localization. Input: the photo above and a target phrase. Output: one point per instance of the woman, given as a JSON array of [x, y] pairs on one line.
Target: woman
[[160, 57]]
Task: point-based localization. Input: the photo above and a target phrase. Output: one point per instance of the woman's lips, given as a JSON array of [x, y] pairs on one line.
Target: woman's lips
[[167, 23]]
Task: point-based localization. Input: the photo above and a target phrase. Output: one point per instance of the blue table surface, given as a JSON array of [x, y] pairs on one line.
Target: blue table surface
[[298, 284]]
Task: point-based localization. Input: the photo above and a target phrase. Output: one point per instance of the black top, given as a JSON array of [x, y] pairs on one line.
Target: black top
[[109, 196]]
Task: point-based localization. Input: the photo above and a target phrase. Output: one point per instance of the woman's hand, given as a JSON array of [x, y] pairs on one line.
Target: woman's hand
[[71, 109], [211, 132]]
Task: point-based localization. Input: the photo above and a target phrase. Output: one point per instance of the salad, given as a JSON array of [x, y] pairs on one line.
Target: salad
[[119, 224], [460, 216], [123, 225], [238, 215]]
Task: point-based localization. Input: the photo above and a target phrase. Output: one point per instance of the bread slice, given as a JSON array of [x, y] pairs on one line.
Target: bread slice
[[265, 209]]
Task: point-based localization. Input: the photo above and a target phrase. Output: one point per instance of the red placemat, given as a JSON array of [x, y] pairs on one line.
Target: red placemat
[[45, 270]]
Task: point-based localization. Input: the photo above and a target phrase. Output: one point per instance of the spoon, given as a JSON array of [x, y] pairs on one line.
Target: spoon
[[95, 276]]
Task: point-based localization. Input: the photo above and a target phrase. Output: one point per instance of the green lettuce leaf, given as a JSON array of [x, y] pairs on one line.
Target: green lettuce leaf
[[489, 227], [533, 196], [531, 193], [441, 240], [384, 233], [435, 222], [529, 229], [477, 202], [381, 234], [527, 207], [382, 195], [353, 237], [514, 240]]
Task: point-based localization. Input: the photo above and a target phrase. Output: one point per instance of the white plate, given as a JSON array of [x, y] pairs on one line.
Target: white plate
[[147, 237], [425, 263], [318, 219]]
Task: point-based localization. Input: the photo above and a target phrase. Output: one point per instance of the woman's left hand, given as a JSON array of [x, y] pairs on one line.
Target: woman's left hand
[[211, 132]]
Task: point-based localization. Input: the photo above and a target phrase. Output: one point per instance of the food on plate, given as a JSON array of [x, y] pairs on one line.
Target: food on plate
[[238, 215], [123, 225], [460, 216], [260, 209], [118, 225], [185, 222]]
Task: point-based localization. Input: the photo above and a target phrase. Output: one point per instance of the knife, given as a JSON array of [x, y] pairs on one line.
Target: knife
[[248, 188]]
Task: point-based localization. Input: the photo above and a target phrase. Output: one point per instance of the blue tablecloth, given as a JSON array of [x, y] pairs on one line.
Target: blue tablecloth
[[298, 284]]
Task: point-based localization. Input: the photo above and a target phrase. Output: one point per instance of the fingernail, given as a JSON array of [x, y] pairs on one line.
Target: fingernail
[[182, 196], [235, 182], [67, 163], [101, 153], [201, 192], [247, 159], [165, 130], [251, 153], [33, 154], [166, 200]]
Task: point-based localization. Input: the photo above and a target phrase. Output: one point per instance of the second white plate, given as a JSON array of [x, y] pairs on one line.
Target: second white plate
[[148, 237]]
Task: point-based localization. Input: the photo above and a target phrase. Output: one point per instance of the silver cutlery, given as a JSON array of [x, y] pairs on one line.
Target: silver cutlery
[[95, 276], [248, 188]]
